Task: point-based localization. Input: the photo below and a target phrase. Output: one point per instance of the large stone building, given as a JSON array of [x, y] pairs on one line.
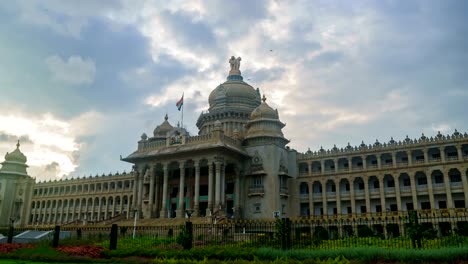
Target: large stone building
[[239, 166]]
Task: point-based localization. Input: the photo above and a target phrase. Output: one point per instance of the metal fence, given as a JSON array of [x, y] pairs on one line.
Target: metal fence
[[422, 229]]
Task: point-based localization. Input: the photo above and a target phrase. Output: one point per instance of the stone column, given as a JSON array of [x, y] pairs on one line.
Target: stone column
[[311, 200], [413, 191], [151, 192], [210, 187], [364, 162], [237, 193], [223, 186], [157, 188], [381, 179], [140, 191], [442, 154], [163, 212], [196, 200], [350, 164], [309, 167], [448, 189], [335, 162], [351, 196], [460, 153], [181, 207], [410, 157], [218, 184], [430, 191], [397, 193], [394, 162], [426, 157], [338, 197], [379, 160], [324, 197], [465, 186], [366, 194], [135, 185], [322, 166]]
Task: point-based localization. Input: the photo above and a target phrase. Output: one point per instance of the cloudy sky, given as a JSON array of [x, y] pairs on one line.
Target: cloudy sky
[[80, 81]]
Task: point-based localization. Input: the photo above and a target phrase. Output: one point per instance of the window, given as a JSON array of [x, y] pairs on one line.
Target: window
[[422, 181], [406, 182], [378, 208], [376, 184], [363, 208], [257, 181], [404, 159], [439, 179], [335, 211], [442, 205], [349, 209], [391, 183], [347, 186], [425, 205], [409, 206], [361, 186], [455, 178], [393, 207], [459, 203], [333, 188]]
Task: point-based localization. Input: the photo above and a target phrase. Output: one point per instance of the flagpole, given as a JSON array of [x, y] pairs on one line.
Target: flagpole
[[182, 110]]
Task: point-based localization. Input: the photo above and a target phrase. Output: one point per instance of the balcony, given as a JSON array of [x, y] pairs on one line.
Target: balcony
[[257, 190], [304, 196], [402, 164], [452, 158], [317, 195], [436, 160]]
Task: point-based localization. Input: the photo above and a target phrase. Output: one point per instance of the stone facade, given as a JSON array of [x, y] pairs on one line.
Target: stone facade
[[239, 166]]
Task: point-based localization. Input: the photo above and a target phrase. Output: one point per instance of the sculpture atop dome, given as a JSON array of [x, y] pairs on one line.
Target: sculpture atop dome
[[162, 130], [235, 65]]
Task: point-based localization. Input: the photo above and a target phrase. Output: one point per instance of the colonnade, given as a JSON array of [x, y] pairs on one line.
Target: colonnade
[[151, 191]]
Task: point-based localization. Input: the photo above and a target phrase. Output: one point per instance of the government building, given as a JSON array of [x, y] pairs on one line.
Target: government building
[[240, 167]]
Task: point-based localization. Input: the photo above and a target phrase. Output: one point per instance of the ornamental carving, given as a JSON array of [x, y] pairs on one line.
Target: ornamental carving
[[257, 163]]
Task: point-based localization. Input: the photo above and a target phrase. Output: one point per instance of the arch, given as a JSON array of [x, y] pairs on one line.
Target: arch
[[304, 188], [343, 164], [317, 187], [103, 201], [417, 156], [371, 161], [374, 183], [387, 160], [303, 167], [112, 186], [105, 186], [358, 185], [388, 181], [110, 201], [316, 167], [401, 158], [329, 165], [454, 176], [437, 177], [420, 178], [330, 186], [357, 163], [344, 186], [117, 200], [433, 154], [96, 201], [451, 152]]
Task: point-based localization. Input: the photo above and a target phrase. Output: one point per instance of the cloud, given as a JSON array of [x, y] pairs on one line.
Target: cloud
[[73, 71], [51, 143]]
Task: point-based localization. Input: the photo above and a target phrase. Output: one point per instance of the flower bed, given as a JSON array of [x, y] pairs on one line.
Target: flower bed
[[83, 251], [11, 248]]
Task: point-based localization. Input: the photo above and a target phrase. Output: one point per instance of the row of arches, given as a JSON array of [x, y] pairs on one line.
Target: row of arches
[[68, 210], [85, 188], [402, 158], [435, 189]]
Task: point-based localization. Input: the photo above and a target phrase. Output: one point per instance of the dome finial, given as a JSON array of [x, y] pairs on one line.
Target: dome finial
[[165, 117], [18, 144], [264, 98]]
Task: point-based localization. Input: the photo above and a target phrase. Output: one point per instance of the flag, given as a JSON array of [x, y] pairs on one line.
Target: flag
[[180, 103]]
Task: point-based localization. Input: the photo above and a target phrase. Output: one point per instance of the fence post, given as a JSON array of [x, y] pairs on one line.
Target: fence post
[[189, 240], [78, 234], [55, 241], [113, 237], [288, 233], [10, 233]]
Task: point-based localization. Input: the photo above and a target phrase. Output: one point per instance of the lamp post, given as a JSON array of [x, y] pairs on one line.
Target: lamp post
[[135, 210]]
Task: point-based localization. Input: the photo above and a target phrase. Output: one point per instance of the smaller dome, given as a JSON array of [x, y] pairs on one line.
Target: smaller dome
[[16, 155], [264, 111], [163, 129]]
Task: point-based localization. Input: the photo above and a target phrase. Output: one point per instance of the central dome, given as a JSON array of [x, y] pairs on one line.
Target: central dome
[[234, 94]]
